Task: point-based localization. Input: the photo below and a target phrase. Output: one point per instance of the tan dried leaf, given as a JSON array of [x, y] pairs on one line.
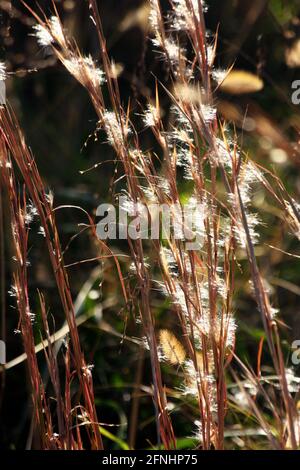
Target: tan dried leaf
[[137, 18], [238, 82], [292, 55], [173, 350]]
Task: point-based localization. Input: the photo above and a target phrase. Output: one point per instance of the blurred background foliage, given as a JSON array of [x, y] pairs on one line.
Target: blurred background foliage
[[258, 36]]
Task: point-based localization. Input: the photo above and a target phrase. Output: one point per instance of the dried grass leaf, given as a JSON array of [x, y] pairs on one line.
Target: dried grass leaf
[[173, 350], [238, 82]]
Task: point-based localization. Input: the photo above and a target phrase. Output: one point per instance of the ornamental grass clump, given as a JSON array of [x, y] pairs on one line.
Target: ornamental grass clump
[[196, 276]]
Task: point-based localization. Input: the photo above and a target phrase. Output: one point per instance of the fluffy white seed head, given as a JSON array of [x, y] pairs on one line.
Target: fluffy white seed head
[[116, 131], [183, 15], [42, 35], [50, 32], [85, 70], [151, 115]]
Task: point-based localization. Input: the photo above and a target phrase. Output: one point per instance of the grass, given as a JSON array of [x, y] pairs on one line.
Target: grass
[[194, 145]]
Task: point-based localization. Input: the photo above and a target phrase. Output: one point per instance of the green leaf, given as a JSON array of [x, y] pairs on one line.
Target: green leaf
[[123, 445], [186, 443], [283, 12]]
